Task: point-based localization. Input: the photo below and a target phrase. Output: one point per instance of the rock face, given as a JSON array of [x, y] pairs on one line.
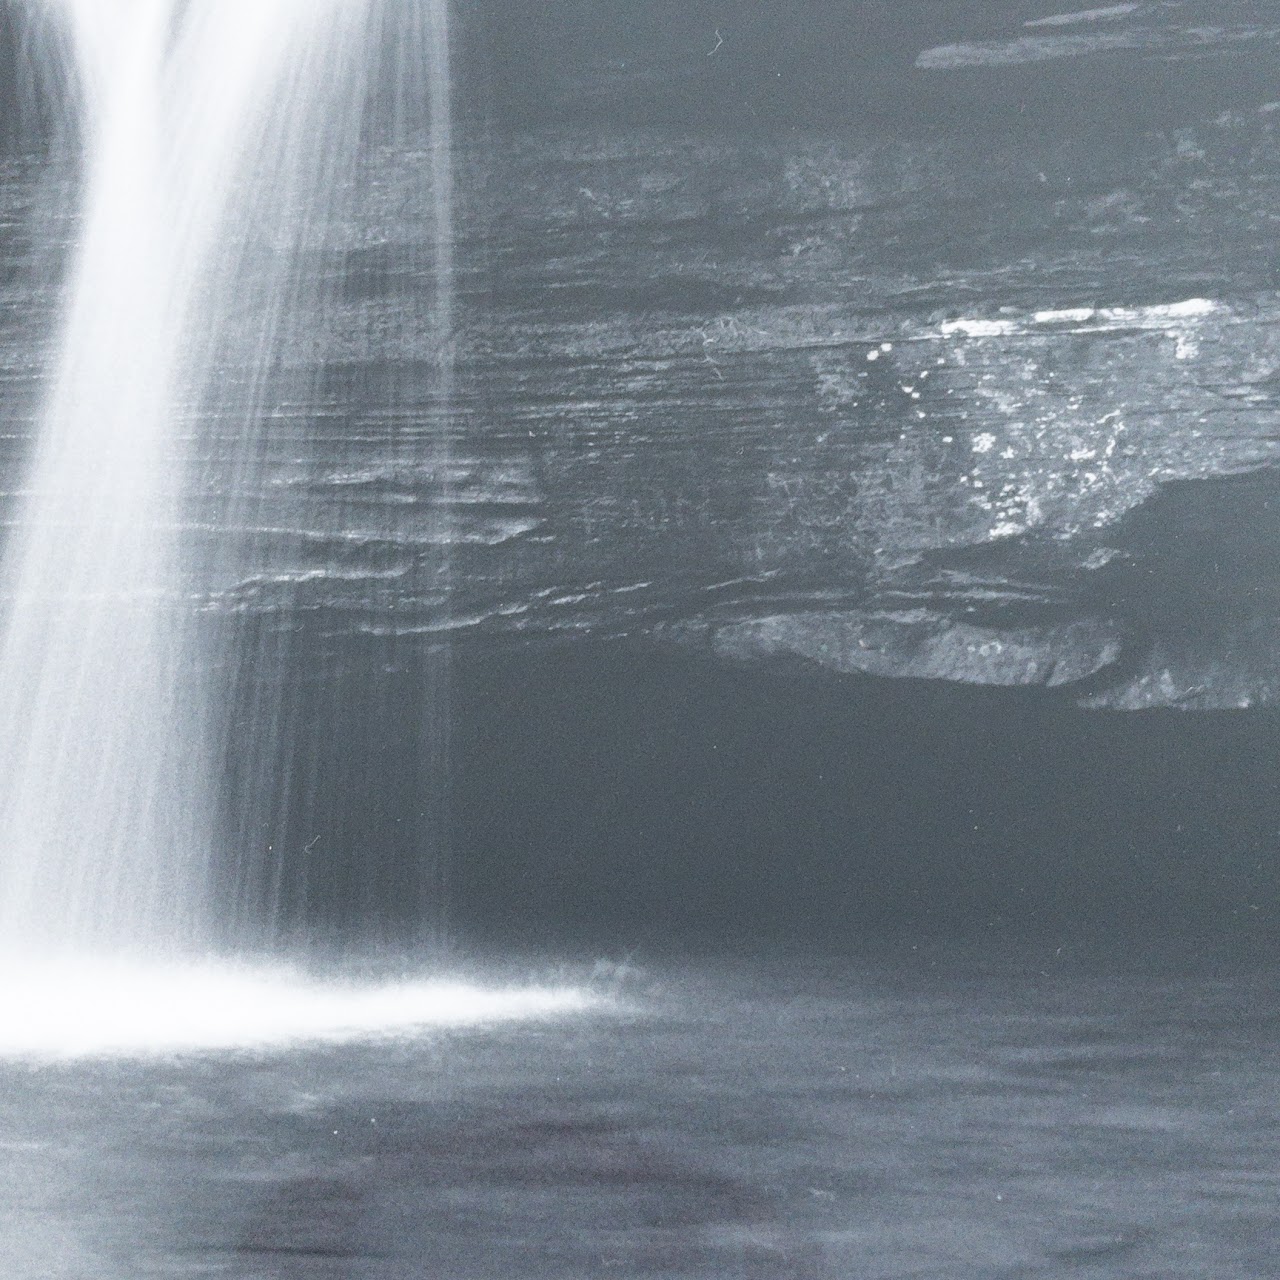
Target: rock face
[[934, 341], [964, 366], [922, 644]]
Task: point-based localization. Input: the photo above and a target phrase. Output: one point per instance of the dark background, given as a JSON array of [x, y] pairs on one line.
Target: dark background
[[616, 799]]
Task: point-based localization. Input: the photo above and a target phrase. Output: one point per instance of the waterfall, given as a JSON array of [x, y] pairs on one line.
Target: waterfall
[[220, 140]]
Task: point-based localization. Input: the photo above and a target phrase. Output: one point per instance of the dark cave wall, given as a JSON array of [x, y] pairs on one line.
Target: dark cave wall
[[632, 800], [607, 797]]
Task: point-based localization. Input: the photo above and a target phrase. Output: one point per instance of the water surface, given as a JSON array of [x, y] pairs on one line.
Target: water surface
[[925, 1114]]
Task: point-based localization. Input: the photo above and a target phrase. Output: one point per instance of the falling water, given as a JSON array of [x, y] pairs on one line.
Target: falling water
[[221, 140]]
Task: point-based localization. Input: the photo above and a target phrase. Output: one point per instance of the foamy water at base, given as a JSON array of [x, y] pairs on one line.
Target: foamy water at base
[[85, 1008]]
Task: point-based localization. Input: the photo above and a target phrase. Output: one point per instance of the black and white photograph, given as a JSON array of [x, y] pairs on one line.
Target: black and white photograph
[[639, 638]]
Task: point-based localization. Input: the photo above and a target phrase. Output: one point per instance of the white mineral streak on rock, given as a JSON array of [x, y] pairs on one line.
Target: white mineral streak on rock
[[1084, 15], [978, 328], [1165, 42], [1172, 316], [1009, 53]]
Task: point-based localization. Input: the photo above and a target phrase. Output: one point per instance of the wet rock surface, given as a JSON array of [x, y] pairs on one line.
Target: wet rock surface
[[957, 359], [920, 644], [869, 379]]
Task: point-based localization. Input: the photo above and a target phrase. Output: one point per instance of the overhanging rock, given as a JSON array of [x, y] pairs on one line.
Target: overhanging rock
[[921, 645]]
